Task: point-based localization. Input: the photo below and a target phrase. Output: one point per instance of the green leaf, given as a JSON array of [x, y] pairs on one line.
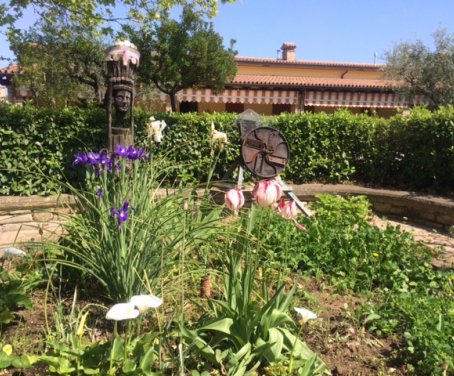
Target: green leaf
[[117, 352], [221, 325], [147, 361], [5, 361]]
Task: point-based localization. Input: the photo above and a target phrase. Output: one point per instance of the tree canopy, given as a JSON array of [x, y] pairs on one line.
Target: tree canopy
[[423, 71], [62, 53], [60, 62], [178, 55]]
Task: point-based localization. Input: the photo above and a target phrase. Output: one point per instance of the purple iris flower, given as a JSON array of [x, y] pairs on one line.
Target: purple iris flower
[[142, 154], [132, 152], [122, 213], [105, 161], [80, 159], [99, 193], [122, 151], [93, 158]]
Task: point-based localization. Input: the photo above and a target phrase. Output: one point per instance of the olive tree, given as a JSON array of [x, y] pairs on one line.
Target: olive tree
[[423, 71]]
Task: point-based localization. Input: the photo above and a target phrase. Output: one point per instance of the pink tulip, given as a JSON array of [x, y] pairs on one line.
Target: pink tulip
[[287, 209], [234, 199], [267, 192]]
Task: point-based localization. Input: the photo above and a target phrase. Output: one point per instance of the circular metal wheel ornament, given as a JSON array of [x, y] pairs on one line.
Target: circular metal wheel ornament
[[265, 152]]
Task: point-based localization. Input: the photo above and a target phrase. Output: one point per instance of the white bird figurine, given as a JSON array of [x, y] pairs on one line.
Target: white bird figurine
[[217, 136], [155, 128]]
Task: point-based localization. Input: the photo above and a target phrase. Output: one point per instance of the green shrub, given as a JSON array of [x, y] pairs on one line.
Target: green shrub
[[36, 146]]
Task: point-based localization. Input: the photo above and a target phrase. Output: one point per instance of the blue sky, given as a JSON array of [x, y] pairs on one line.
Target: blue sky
[[327, 30]]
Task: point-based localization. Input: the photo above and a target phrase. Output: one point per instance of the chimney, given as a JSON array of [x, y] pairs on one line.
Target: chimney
[[288, 51]]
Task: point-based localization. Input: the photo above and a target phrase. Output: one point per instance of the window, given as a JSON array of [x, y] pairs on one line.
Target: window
[[278, 108], [188, 106], [234, 107]]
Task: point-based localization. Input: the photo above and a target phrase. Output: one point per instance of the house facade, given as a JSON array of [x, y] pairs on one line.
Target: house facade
[[273, 86]]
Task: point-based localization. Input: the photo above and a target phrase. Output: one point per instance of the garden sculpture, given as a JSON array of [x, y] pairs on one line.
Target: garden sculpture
[[155, 129], [122, 63], [264, 153]]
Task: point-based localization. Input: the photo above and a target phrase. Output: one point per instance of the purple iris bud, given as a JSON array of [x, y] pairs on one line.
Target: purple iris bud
[[122, 213], [122, 151], [80, 159], [132, 152], [99, 193]]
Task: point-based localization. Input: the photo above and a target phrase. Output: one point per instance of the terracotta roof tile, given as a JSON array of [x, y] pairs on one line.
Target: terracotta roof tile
[[10, 69], [245, 79], [309, 63]]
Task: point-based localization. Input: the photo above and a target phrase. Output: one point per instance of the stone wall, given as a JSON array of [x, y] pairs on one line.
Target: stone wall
[[34, 218], [425, 209]]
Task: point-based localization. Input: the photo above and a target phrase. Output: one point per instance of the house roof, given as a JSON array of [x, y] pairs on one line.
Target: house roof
[[10, 69], [313, 82], [309, 63]]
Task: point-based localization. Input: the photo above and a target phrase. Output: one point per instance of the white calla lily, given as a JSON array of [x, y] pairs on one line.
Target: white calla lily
[[145, 302], [305, 314], [12, 252], [122, 311]]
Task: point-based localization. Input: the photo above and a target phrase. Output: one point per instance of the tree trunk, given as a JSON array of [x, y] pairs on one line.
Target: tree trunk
[[173, 102]]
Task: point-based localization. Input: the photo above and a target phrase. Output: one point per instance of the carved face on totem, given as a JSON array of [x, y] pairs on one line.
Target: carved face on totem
[[122, 101]]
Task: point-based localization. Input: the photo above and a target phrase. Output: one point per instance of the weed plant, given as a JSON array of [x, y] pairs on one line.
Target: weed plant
[[343, 247]]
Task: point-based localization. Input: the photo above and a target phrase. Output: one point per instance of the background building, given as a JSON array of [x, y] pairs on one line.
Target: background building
[[285, 84]]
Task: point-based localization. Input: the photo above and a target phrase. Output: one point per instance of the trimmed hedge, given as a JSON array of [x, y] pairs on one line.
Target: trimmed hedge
[[416, 152]]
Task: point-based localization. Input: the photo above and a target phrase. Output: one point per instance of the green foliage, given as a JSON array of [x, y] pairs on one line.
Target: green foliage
[[13, 294], [330, 148], [60, 64], [178, 55], [246, 330], [425, 72], [426, 324], [132, 356], [36, 147], [420, 149], [342, 246], [122, 256]]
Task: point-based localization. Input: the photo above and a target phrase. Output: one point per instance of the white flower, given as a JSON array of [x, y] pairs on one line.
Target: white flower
[[12, 251], [145, 302], [122, 311], [306, 314]]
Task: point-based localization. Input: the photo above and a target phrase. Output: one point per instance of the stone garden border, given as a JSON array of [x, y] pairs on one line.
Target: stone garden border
[[35, 218]]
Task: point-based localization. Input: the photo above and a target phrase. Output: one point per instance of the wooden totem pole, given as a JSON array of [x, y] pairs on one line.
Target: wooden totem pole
[[122, 63]]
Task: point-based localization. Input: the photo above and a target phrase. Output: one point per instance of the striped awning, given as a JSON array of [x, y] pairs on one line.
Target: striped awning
[[357, 99], [237, 96]]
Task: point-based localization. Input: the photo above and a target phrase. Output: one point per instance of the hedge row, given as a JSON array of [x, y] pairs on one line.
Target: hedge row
[[415, 152]]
